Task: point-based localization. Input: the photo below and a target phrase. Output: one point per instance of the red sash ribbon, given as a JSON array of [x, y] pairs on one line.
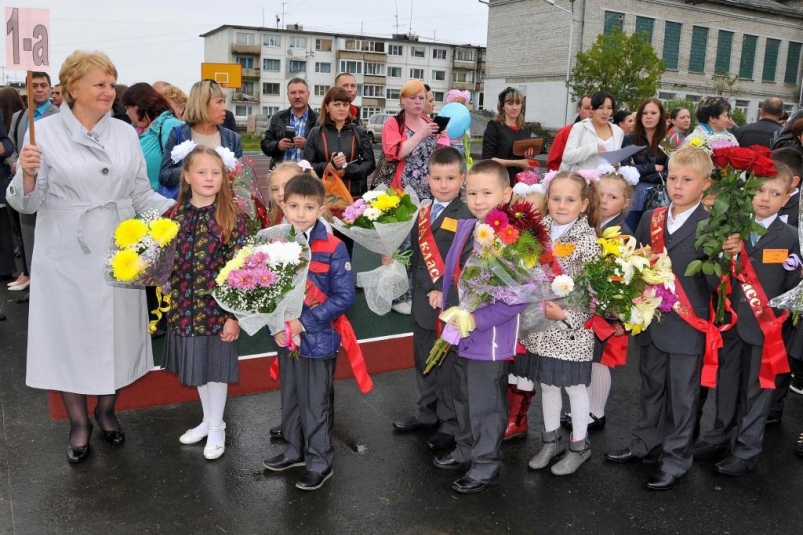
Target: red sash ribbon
[[615, 353], [430, 254], [683, 308], [313, 297], [773, 354]]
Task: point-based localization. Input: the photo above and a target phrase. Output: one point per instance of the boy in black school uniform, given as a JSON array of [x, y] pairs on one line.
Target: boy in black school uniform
[[793, 159], [431, 238], [307, 382], [742, 400], [672, 349]]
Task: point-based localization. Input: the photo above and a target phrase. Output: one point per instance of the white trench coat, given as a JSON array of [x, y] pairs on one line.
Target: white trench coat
[[84, 335]]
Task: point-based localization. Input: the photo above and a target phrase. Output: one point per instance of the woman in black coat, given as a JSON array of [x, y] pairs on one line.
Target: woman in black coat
[[340, 145]]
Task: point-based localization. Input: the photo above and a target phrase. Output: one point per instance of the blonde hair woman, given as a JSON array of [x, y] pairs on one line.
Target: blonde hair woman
[[86, 173], [409, 139], [177, 99]]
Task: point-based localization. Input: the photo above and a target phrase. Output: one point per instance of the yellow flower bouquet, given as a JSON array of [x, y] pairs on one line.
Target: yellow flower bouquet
[[143, 250]]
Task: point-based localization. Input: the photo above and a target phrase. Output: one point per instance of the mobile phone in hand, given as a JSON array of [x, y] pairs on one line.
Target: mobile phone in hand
[[289, 132]]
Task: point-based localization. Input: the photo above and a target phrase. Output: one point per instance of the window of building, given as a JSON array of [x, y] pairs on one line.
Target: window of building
[[271, 40], [392, 93], [296, 66], [320, 90], [375, 69], [672, 44], [394, 72], [664, 96], [613, 20], [792, 63], [438, 95], [693, 98], [742, 105], [242, 111], [243, 38], [365, 45], [270, 88], [247, 88], [438, 53], [368, 111], [369, 90], [438, 76], [351, 66], [770, 60], [645, 25], [417, 73], [245, 62], [699, 42], [724, 46], [748, 59], [417, 52], [271, 65], [324, 45], [463, 76], [325, 68], [395, 50], [465, 54], [298, 42], [270, 110]]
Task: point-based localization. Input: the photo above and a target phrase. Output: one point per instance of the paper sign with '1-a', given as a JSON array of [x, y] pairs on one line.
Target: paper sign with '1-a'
[[27, 39]]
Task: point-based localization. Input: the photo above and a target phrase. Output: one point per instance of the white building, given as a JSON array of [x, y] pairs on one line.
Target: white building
[[758, 41], [381, 65]]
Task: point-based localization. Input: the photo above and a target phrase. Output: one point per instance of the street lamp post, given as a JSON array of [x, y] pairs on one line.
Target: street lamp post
[[571, 42]]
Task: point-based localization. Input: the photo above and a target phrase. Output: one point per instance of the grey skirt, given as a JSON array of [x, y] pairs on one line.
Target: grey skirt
[[201, 359], [557, 372]]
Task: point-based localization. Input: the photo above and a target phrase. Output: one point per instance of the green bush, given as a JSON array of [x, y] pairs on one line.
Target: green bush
[[251, 142]]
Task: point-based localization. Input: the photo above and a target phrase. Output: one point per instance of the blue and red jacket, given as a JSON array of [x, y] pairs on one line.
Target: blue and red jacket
[[330, 272]]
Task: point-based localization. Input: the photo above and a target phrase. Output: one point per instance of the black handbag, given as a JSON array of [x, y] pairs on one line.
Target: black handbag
[[384, 173], [656, 196]]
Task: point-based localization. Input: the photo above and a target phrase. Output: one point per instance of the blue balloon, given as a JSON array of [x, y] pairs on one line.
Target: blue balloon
[[459, 119]]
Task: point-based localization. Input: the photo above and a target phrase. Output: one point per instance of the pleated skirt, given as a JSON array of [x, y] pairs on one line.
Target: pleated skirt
[[201, 359], [552, 371]]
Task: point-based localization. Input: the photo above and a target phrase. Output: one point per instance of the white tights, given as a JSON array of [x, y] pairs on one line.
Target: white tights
[[599, 389], [552, 405]]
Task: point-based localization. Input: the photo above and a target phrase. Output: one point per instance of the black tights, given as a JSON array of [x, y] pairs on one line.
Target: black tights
[[79, 420]]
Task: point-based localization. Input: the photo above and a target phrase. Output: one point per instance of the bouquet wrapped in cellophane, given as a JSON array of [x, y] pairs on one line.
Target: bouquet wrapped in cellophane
[[629, 284], [263, 285], [380, 221], [505, 265], [143, 250]]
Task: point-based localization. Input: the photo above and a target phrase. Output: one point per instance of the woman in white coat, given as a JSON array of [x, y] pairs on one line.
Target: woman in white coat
[[85, 174], [591, 136]]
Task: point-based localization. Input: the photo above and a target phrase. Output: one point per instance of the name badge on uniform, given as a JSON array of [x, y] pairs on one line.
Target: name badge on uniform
[[449, 224], [563, 250], [775, 256]]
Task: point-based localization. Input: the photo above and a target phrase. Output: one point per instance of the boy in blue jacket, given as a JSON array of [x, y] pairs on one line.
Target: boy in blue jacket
[[479, 381], [307, 382]]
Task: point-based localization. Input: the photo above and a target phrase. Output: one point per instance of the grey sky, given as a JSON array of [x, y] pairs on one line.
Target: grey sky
[[150, 40]]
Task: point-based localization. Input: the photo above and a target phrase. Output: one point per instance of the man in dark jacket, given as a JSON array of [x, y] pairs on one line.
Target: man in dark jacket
[[762, 131], [276, 143]]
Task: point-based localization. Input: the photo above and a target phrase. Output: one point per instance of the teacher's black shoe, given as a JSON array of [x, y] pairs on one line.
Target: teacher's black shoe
[[468, 485], [313, 480], [409, 424], [440, 441], [732, 466], [447, 462], [24, 299], [661, 480], [622, 456], [281, 463], [77, 455], [276, 432]]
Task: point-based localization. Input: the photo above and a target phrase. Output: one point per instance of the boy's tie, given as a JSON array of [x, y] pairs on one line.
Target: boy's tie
[[436, 211]]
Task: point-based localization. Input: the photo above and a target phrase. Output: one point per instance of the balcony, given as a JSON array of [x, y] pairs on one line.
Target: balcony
[[374, 79], [253, 50], [239, 96], [373, 102], [250, 73], [376, 57], [348, 54], [464, 64], [464, 86]]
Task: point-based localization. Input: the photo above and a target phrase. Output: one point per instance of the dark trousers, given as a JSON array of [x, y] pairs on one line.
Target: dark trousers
[[16, 229], [741, 403], [28, 226], [670, 386], [308, 408], [436, 402], [7, 264], [479, 388]]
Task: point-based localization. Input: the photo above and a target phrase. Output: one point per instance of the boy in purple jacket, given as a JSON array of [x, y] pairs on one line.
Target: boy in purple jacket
[[480, 376]]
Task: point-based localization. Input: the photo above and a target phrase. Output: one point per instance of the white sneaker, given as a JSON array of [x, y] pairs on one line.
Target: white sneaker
[[215, 449], [405, 307]]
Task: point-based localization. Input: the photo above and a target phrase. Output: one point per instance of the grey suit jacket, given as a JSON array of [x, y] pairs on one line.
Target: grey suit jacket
[[773, 277], [18, 136], [672, 334]]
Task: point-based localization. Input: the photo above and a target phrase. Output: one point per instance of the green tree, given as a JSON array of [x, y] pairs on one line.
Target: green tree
[[670, 105], [626, 66]]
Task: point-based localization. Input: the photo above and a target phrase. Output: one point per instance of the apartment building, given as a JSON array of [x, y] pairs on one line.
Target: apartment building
[[759, 41], [381, 65]]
